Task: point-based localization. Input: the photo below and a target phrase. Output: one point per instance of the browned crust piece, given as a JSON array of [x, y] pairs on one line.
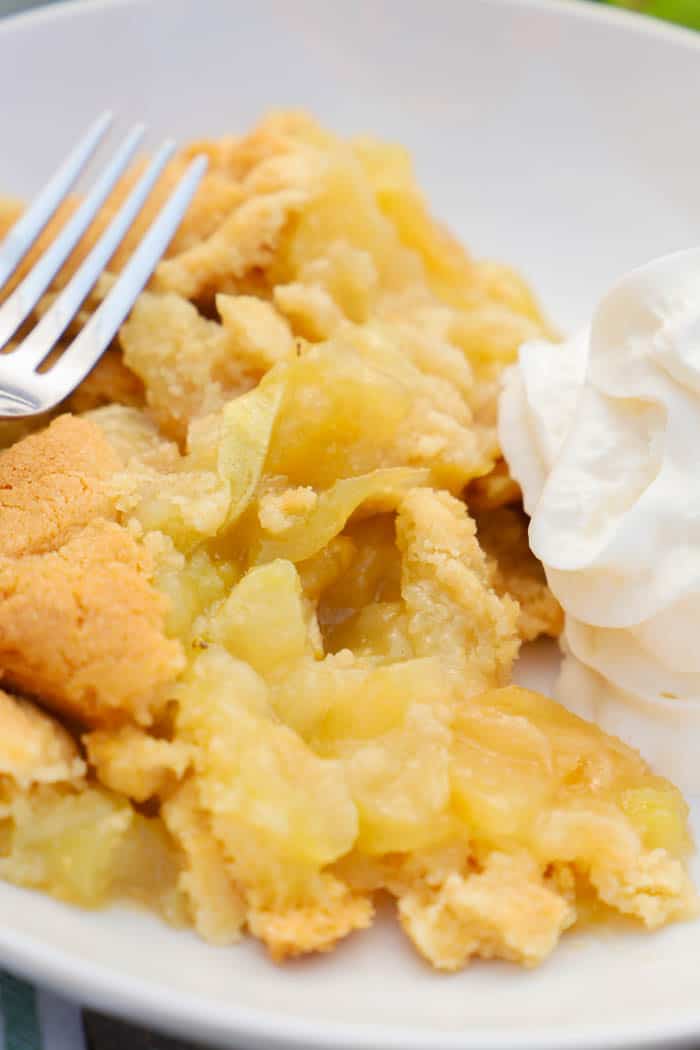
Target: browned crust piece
[[52, 484], [317, 927], [81, 626]]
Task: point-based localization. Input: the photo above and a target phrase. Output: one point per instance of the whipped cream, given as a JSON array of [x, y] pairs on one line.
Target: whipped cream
[[603, 435]]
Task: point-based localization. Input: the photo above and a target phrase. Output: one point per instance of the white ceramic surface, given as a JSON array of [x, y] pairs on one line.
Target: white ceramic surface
[[561, 137]]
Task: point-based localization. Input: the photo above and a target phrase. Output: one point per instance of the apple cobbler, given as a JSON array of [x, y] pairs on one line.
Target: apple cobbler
[[262, 586]]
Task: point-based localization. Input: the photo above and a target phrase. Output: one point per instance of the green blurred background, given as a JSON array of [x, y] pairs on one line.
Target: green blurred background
[[684, 12]]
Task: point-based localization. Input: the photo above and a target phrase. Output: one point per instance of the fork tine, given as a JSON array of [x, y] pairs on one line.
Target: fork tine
[[87, 347], [25, 231], [20, 304], [43, 338]]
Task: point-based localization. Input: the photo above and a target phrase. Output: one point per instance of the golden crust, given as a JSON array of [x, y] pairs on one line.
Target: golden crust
[[245, 241], [80, 624], [259, 336], [131, 762], [35, 749], [656, 889], [187, 362], [82, 628], [51, 485], [505, 912], [315, 927], [451, 606]]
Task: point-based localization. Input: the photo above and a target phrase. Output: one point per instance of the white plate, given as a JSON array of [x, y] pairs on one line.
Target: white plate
[[559, 136]]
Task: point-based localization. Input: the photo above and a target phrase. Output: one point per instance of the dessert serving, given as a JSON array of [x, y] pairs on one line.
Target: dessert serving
[[263, 583]]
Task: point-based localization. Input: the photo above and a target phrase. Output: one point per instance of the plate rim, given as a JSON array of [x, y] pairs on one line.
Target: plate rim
[[635, 21], [93, 986], [113, 991]]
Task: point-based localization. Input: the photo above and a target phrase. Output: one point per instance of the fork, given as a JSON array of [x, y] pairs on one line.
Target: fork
[[24, 390]]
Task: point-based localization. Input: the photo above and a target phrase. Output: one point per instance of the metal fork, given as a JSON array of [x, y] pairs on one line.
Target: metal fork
[[24, 391]]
